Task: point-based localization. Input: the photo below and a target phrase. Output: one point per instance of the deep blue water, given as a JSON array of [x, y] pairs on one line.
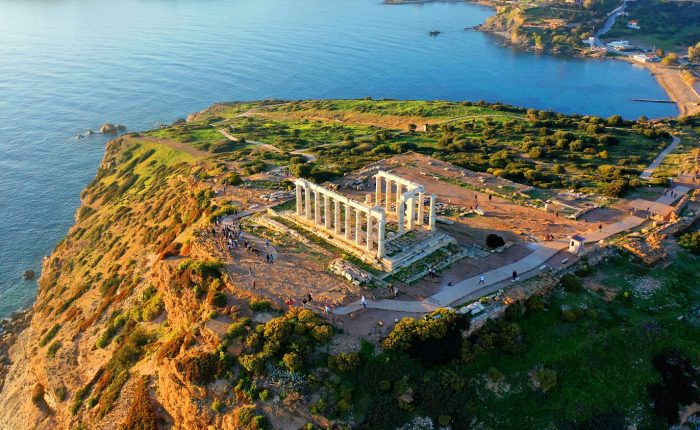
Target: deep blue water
[[68, 65]]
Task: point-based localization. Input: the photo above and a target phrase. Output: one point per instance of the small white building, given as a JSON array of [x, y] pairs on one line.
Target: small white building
[[634, 25], [576, 243], [646, 58]]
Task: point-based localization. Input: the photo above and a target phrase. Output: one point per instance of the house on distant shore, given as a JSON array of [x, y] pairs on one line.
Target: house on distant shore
[[633, 25], [646, 58]]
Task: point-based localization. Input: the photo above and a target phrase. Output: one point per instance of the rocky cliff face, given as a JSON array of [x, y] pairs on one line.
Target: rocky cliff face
[[111, 297]]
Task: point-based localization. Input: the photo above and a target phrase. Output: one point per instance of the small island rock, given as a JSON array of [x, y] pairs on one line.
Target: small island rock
[[108, 129], [29, 274]]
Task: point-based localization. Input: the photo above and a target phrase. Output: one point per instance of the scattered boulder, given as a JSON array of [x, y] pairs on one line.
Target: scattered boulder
[[29, 274], [108, 129], [89, 132], [121, 127]]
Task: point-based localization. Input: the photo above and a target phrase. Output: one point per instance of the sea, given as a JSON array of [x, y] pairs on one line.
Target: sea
[[70, 65]]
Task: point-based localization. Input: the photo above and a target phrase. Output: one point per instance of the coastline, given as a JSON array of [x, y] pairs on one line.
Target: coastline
[[684, 95]]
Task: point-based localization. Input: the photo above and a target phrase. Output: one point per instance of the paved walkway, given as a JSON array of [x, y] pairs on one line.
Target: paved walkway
[[646, 174], [456, 293], [675, 194]]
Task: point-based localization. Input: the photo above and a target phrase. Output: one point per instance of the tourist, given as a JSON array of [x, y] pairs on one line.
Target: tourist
[[253, 283], [490, 197], [396, 292], [267, 257], [449, 284], [326, 310], [482, 280], [600, 227], [311, 298], [363, 302], [515, 275]]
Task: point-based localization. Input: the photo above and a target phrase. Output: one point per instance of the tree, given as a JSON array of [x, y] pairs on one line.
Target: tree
[[412, 127], [670, 60], [691, 242], [694, 53]]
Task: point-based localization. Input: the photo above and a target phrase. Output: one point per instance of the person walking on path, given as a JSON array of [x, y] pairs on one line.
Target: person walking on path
[[396, 292], [600, 227], [363, 302], [481, 280], [515, 275]]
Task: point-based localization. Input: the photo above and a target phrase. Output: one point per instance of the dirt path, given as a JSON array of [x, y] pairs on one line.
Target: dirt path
[[646, 174], [261, 145]]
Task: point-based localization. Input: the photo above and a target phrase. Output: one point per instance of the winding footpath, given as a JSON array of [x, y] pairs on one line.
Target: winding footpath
[[646, 174], [459, 292]]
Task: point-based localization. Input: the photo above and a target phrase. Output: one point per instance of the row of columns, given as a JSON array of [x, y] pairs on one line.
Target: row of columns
[[409, 204], [341, 205]]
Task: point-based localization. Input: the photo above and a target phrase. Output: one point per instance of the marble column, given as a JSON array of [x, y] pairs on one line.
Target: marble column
[[347, 221], [370, 233], [421, 203], [298, 199], [431, 216], [411, 212], [381, 232], [326, 212], [307, 202], [336, 213], [378, 190], [317, 207], [398, 196], [401, 212], [387, 195], [358, 227]]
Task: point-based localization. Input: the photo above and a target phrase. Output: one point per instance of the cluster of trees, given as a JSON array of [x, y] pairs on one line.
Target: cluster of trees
[[285, 340], [436, 338]]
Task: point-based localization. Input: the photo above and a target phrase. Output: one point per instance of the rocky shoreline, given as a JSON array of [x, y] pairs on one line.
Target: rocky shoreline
[[10, 329]]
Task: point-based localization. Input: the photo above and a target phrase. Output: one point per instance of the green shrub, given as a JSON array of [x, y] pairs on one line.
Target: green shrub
[[543, 379], [260, 305], [569, 316], [219, 299], [344, 362], [50, 334], [691, 242], [292, 361], [571, 283], [53, 349]]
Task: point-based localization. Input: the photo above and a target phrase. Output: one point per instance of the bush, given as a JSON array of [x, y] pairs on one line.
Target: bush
[[543, 379], [245, 418], [691, 242], [572, 283], [50, 334], [494, 241], [259, 305], [569, 316], [616, 188], [53, 349], [292, 361], [219, 299], [344, 362]]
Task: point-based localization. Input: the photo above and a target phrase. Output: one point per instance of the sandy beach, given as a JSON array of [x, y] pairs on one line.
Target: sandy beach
[[686, 97]]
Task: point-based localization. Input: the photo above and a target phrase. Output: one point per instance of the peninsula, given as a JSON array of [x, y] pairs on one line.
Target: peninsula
[[371, 264]]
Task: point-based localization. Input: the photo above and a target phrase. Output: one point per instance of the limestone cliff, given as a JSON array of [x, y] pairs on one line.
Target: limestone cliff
[[113, 294]]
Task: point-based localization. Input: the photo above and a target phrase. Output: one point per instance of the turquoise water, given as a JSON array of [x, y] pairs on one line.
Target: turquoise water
[[68, 65]]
